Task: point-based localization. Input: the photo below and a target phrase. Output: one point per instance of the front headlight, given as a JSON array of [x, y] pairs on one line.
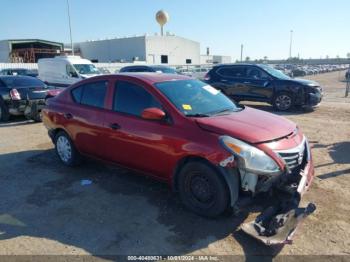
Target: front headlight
[[250, 158]]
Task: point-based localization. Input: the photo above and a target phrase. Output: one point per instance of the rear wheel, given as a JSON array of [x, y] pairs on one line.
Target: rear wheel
[[37, 117], [32, 113], [283, 101], [4, 112], [66, 150], [203, 190]]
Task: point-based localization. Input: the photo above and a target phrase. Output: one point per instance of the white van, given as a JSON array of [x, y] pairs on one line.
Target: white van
[[62, 71]]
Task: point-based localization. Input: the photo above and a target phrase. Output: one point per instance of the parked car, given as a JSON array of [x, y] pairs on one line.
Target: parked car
[[62, 71], [19, 71], [148, 68], [264, 83], [186, 133], [198, 73], [22, 95], [299, 72], [104, 70]]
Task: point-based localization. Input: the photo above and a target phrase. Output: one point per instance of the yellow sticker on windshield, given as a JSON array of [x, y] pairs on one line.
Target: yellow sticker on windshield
[[187, 107]]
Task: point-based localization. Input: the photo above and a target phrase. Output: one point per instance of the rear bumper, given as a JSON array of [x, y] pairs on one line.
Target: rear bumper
[[17, 107], [26, 107]]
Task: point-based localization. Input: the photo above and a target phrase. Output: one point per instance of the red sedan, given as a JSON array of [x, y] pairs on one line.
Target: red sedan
[[188, 134]]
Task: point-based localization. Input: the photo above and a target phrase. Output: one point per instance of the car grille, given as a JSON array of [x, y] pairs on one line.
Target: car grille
[[294, 157]]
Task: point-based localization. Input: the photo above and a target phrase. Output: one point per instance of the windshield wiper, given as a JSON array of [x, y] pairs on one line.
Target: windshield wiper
[[230, 109], [198, 115]]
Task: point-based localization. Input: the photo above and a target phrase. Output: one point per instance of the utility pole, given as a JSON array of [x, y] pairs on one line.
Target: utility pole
[[290, 44], [241, 52], [70, 28]]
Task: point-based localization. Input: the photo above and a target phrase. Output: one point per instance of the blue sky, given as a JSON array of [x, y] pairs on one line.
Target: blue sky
[[321, 27]]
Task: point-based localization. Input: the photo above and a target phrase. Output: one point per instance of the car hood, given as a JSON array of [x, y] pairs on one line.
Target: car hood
[[250, 125], [306, 82]]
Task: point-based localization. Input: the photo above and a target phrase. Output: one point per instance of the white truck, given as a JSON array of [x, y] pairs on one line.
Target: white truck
[[63, 71]]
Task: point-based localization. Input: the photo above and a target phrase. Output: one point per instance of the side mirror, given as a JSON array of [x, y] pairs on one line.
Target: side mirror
[[153, 113], [72, 74]]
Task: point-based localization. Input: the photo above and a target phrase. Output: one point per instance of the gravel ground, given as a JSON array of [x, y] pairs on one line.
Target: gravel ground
[[44, 209]]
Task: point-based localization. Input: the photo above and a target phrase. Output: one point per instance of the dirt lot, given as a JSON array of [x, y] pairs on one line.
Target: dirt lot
[[44, 209]]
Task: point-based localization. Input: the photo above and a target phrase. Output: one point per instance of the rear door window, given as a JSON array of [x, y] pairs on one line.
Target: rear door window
[[91, 94], [76, 93], [256, 74], [132, 99], [233, 71]]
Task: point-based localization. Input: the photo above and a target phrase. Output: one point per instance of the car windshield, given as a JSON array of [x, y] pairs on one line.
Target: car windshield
[[196, 99], [166, 70], [276, 73], [15, 82], [86, 69]]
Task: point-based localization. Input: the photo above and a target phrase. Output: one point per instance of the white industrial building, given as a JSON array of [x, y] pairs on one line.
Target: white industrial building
[[155, 49]]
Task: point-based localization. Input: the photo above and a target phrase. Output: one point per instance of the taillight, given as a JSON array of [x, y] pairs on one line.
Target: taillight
[[14, 94], [207, 77]]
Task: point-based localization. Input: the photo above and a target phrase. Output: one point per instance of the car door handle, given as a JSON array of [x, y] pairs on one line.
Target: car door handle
[[246, 82], [115, 126], [68, 116], [223, 80]]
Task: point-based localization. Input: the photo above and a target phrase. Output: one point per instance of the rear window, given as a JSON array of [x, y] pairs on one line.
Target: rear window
[[136, 69], [14, 82], [91, 94]]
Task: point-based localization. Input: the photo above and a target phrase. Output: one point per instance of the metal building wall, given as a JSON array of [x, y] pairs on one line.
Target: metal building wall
[[177, 49], [4, 51], [112, 50]]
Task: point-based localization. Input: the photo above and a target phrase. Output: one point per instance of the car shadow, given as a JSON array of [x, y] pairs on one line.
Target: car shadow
[[16, 121], [107, 210], [339, 153]]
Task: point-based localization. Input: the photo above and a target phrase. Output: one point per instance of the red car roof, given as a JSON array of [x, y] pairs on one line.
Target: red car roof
[[152, 78]]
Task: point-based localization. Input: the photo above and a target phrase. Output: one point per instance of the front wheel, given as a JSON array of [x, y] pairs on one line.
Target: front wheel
[[283, 101], [66, 150], [203, 190]]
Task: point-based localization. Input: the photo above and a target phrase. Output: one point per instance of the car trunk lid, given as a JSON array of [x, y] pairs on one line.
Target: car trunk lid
[[32, 93]]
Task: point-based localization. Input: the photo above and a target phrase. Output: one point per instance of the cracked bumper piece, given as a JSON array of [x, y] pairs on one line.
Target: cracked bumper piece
[[272, 229], [278, 224]]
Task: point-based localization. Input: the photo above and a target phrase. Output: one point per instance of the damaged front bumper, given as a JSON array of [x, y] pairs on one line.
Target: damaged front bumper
[[278, 223], [272, 227]]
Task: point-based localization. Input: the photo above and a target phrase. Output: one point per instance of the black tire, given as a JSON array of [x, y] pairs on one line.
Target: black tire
[[37, 117], [283, 101], [69, 159], [34, 113], [203, 190], [4, 112]]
